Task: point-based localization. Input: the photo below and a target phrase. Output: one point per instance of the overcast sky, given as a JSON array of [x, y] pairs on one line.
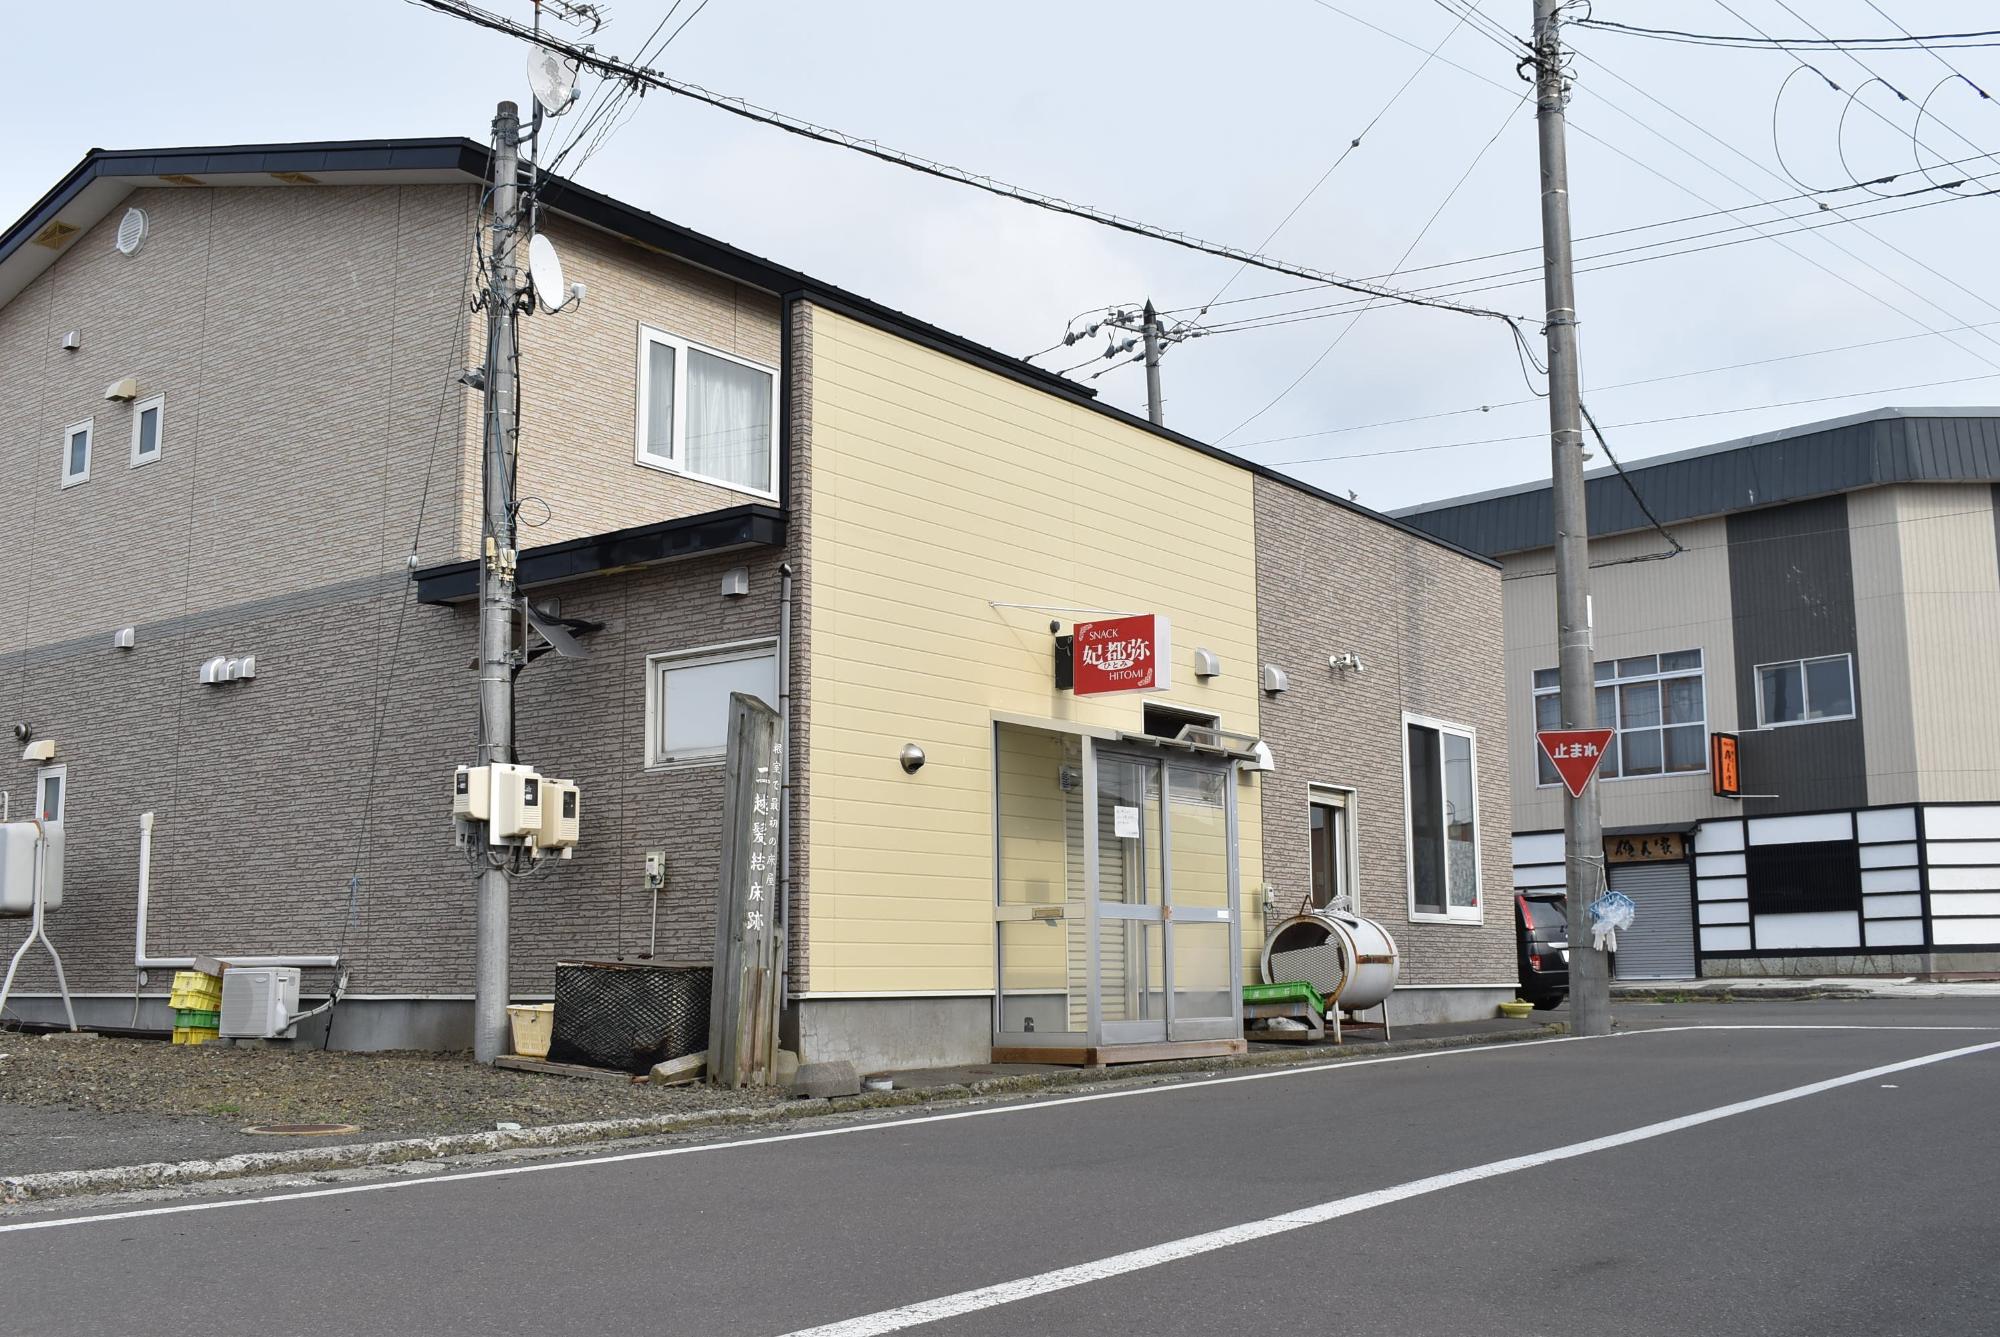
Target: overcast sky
[[1214, 120]]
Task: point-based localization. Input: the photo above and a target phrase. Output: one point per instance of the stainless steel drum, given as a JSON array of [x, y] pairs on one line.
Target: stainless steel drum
[[1352, 961]]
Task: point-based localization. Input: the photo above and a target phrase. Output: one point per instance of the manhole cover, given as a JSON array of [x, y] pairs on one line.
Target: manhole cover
[[301, 1129]]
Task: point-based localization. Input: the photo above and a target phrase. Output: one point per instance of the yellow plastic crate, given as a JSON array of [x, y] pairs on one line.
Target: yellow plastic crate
[[196, 990], [193, 1035]]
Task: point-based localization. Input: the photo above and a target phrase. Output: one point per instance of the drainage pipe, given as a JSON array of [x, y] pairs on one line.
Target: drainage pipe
[[141, 962]]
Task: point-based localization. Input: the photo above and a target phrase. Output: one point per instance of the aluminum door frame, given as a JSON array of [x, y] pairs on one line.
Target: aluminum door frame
[[1163, 910]]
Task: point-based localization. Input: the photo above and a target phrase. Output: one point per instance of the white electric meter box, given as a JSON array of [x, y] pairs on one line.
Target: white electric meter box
[[561, 806], [514, 806], [259, 1002], [17, 868], [469, 793]]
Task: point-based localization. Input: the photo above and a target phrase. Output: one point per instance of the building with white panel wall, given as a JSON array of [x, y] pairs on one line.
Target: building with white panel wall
[[1836, 607]]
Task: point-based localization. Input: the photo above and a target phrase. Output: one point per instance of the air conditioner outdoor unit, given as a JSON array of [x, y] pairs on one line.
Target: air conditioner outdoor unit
[[259, 1001]]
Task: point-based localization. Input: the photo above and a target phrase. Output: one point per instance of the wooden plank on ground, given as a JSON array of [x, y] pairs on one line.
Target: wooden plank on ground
[[519, 1064]]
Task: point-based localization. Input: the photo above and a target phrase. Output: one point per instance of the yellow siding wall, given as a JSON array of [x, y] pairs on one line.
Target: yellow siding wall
[[938, 489]]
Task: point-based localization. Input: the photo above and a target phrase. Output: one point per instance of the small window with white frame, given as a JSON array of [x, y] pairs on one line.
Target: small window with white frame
[[1330, 836], [51, 792], [687, 698], [149, 424], [76, 452], [706, 414], [1805, 691], [1441, 816]]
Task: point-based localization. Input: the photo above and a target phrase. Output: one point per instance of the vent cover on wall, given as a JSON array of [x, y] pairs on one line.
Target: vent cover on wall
[[132, 231]]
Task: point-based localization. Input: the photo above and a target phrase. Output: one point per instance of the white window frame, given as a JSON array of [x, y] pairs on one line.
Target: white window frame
[[157, 403], [677, 462], [1476, 912], [89, 429], [60, 774], [657, 666], [1347, 799], [1757, 683], [1614, 682]]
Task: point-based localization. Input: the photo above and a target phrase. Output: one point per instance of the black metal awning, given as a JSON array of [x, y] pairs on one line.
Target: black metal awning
[[704, 535]]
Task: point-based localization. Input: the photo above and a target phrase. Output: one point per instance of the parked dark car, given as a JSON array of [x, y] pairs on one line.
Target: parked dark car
[[1541, 929]]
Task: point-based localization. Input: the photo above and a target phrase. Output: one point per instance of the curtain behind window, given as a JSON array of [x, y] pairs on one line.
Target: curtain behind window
[[728, 421]]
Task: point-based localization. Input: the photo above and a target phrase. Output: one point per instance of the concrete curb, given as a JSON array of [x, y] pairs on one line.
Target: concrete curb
[[1781, 993], [21, 1189]]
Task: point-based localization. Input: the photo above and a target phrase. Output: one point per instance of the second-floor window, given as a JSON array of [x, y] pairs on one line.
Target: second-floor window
[[707, 414], [1654, 703], [76, 453], [148, 418], [1802, 691]]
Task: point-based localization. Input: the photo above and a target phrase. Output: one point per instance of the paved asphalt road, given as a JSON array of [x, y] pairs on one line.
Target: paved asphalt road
[[1711, 1179]]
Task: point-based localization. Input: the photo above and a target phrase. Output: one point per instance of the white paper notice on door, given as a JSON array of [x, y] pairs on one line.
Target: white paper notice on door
[[1125, 822]]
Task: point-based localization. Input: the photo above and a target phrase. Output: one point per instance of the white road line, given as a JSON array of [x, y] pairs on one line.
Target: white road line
[[1007, 1292], [655, 1153]]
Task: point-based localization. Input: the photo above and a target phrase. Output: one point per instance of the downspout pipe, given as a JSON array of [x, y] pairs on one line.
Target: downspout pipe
[[141, 962]]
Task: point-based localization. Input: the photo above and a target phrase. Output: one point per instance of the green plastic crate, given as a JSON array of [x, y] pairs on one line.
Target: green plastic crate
[[1294, 991], [197, 1019]]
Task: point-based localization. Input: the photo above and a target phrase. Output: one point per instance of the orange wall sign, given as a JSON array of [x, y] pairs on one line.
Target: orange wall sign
[[1724, 775]]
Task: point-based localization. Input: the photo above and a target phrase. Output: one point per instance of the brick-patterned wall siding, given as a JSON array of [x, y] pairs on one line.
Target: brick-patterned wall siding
[[266, 803], [1427, 625], [302, 401]]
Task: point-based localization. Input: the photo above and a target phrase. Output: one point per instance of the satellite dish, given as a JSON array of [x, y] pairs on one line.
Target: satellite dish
[[132, 231], [553, 80], [545, 272]]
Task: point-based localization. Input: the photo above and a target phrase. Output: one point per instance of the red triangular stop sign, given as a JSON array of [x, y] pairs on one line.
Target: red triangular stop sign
[[1575, 754]]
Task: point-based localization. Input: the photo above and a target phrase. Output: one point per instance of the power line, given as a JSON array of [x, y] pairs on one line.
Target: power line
[[1601, 390], [1512, 278], [1691, 191], [1415, 241], [1873, 77], [1907, 41], [1640, 422], [1929, 45], [793, 125], [1615, 232], [1873, 268], [1352, 145]]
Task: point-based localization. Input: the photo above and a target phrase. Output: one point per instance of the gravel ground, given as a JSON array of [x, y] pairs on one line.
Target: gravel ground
[[76, 1104]]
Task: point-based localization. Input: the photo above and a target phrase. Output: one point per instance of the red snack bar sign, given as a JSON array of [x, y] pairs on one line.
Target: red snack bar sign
[[1123, 654]]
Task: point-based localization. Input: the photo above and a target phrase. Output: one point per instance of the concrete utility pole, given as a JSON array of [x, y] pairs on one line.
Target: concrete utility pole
[[1151, 329], [1583, 832], [499, 610]]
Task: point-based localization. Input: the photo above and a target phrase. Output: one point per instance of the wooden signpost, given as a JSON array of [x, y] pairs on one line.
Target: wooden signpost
[[743, 1008]]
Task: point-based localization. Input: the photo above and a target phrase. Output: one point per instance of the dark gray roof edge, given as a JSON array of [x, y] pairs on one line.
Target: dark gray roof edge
[[1696, 452], [635, 224], [1878, 448]]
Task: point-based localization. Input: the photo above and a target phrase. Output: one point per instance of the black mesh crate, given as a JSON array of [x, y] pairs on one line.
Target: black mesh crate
[[628, 1015]]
